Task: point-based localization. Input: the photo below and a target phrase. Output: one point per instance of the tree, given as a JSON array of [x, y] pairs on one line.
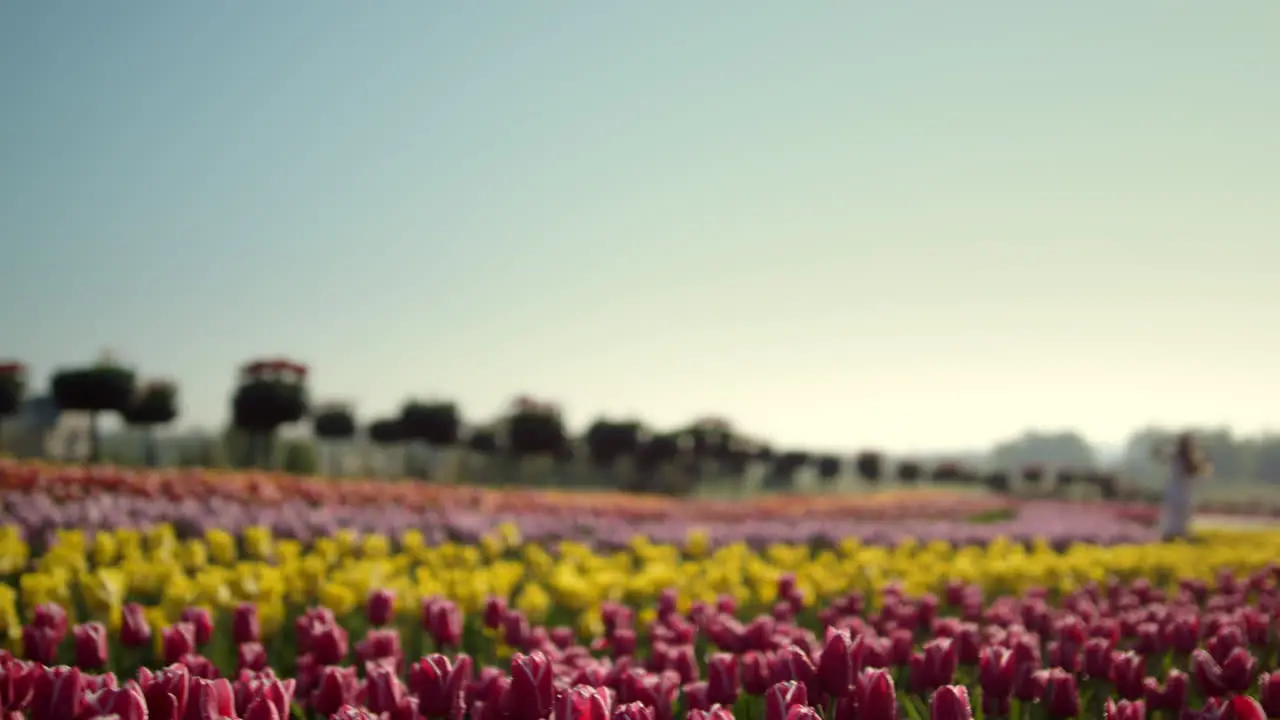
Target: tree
[[654, 454], [98, 388], [609, 441], [782, 475], [828, 468], [1044, 448], [435, 423], [333, 423], [272, 394], [534, 429], [998, 481], [386, 434], [909, 472], [13, 385], [948, 472], [870, 465], [482, 441], [155, 403]]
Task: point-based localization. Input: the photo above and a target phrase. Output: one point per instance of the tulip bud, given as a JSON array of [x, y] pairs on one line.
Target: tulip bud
[[166, 691], [583, 702], [1242, 707], [1061, 697], [935, 665], [201, 622], [1128, 673], [781, 697], [439, 685], [1208, 674], [381, 607], [795, 712], [39, 644], [532, 692], [838, 666], [329, 644], [950, 702], [1269, 693], [126, 703], [1238, 670], [252, 657], [52, 617], [723, 679], [495, 609], [634, 711], [215, 698], [261, 709], [135, 632], [91, 645], [877, 698], [338, 686], [244, 624], [1124, 710], [996, 672], [177, 640], [444, 621]]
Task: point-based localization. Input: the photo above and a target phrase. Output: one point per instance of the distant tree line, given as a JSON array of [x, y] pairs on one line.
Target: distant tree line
[[272, 394]]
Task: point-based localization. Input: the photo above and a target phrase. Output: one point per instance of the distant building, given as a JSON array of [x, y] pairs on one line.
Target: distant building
[[41, 430]]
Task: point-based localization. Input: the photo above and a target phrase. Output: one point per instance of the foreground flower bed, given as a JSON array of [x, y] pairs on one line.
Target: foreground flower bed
[[40, 499], [144, 624]]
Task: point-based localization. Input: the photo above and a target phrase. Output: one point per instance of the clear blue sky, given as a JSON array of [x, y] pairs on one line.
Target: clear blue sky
[[841, 224]]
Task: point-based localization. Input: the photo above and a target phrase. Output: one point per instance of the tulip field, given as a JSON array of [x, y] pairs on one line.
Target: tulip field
[[193, 595]]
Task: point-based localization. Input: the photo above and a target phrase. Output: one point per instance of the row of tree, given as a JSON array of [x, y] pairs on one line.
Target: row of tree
[[272, 393]]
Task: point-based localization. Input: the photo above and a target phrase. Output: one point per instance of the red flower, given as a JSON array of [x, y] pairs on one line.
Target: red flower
[[338, 686], [127, 703], [166, 691], [439, 685], [381, 607], [211, 698], [245, 627], [201, 623], [383, 689], [329, 644], [781, 697], [950, 702], [935, 666], [583, 702], [57, 694], [532, 690], [252, 657], [1208, 674], [91, 645], [723, 679], [1124, 710], [877, 698], [177, 640], [840, 662], [443, 619], [1269, 693], [633, 711], [996, 672], [1128, 673], [134, 630], [1238, 670], [40, 644]]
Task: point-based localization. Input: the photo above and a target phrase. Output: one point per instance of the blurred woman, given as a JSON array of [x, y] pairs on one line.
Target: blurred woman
[[1187, 465]]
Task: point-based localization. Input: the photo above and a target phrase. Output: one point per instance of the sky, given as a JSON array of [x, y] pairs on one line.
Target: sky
[[905, 225]]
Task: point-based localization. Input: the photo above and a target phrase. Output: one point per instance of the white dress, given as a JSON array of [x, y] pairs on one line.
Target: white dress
[[1177, 502]]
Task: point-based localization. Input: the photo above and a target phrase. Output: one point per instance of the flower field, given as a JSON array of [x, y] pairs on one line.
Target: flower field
[[186, 596]]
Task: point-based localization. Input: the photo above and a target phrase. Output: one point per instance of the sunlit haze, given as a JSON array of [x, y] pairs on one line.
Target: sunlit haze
[[908, 225]]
